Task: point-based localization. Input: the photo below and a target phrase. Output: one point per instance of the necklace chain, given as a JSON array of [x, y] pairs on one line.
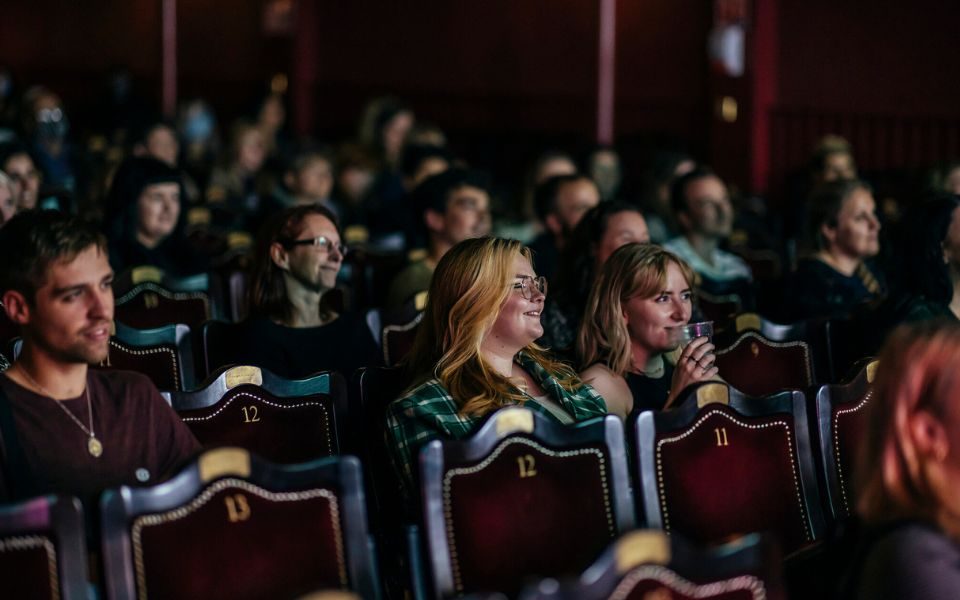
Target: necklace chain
[[86, 393]]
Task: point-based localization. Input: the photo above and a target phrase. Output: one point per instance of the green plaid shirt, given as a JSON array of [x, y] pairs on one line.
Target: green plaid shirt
[[429, 412]]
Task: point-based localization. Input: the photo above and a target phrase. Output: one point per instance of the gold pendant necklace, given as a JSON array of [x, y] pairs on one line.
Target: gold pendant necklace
[[94, 446]]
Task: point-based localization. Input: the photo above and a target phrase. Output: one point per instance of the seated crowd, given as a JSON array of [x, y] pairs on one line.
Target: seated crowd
[[574, 315]]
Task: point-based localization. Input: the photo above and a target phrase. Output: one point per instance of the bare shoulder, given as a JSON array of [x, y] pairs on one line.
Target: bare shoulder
[[613, 388]]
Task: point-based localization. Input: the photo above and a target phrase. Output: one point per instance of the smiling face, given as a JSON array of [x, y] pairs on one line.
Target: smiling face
[[622, 228], [158, 209], [649, 319], [518, 322], [857, 231], [312, 267], [69, 319]]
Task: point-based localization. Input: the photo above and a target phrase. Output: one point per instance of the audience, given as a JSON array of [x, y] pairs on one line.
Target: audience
[[602, 230], [454, 206], [66, 428], [837, 277], [643, 294], [475, 352], [294, 330], [909, 470], [16, 162], [561, 201], [145, 223], [702, 208]]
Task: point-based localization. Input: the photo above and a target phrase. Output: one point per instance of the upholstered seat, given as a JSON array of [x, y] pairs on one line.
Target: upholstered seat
[[282, 420], [841, 424], [164, 354], [758, 366], [147, 298], [231, 525], [648, 564], [522, 497], [723, 464], [42, 549]]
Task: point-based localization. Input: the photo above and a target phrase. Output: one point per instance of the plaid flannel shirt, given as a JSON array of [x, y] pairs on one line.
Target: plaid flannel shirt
[[429, 412]]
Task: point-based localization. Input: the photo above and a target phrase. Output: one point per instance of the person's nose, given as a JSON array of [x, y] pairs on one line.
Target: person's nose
[[681, 311], [101, 305]]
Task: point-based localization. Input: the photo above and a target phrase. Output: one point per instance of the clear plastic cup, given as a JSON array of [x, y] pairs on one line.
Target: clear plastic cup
[[684, 334]]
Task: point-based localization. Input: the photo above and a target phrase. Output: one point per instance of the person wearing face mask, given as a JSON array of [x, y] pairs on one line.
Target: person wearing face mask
[[642, 296], [837, 277], [293, 329], [145, 220], [475, 353]]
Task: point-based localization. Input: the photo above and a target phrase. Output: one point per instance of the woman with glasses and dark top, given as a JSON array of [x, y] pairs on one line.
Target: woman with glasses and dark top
[[293, 330], [642, 296], [475, 353]]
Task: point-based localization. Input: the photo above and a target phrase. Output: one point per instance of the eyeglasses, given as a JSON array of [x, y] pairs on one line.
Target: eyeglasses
[[320, 242], [527, 284]]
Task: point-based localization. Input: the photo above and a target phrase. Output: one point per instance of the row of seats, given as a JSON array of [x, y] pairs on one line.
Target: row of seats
[[696, 469], [231, 525]]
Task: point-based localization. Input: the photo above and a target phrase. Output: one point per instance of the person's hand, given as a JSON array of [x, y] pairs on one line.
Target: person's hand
[[694, 364]]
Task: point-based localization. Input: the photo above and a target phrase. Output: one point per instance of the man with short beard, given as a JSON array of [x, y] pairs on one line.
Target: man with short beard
[[66, 428]]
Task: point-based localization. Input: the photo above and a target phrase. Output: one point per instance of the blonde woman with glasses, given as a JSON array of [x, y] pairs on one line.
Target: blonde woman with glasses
[[641, 298], [475, 352]]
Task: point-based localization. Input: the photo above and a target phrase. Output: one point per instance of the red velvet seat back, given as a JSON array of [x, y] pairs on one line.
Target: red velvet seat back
[[160, 363], [758, 367], [398, 341], [849, 427], [148, 306], [650, 582], [526, 510], [727, 475], [28, 567], [237, 540], [281, 430]]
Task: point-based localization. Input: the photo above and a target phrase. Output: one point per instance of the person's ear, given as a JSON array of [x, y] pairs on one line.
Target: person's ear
[[280, 256], [929, 435], [433, 220], [829, 233], [16, 306]]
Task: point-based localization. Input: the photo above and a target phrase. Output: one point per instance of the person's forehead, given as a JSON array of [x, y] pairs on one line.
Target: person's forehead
[[167, 187], [626, 219], [317, 225], [467, 192], [522, 266], [578, 190], [88, 266], [706, 188], [19, 162]]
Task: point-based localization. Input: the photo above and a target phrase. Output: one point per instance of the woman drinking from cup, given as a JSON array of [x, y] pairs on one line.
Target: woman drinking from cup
[[474, 352], [641, 300]]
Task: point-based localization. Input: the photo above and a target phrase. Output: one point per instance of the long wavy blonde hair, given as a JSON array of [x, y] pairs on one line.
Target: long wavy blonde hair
[[895, 479], [632, 270], [470, 284]]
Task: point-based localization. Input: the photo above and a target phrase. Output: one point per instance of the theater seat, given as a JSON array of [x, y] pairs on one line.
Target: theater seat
[[400, 329], [521, 497], [648, 564], [282, 420], [146, 298], [43, 554], [757, 366], [841, 423], [723, 464], [163, 354], [231, 525]]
